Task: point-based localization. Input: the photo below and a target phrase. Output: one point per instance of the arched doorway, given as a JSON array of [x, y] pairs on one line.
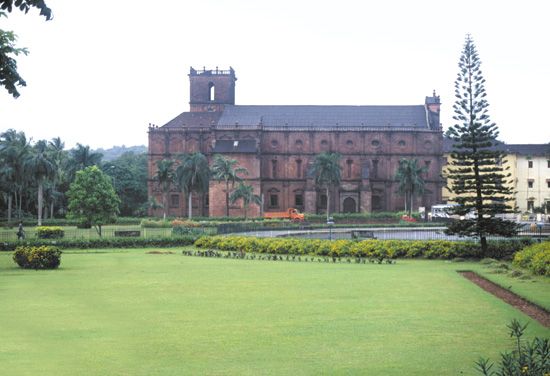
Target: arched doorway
[[349, 205]]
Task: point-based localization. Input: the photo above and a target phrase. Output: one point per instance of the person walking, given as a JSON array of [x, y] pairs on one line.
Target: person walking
[[20, 231]]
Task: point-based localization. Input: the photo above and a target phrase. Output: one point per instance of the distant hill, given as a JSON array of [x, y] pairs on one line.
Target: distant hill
[[117, 151]]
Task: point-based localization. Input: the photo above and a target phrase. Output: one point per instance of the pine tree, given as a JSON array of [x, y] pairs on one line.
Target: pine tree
[[478, 178]]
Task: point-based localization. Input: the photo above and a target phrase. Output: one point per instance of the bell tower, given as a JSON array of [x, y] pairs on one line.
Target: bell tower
[[211, 89]]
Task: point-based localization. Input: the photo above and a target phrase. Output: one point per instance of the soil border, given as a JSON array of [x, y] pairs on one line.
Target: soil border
[[530, 309]]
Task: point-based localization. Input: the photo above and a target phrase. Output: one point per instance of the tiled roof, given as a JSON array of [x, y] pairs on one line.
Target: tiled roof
[[194, 119], [325, 116], [237, 146]]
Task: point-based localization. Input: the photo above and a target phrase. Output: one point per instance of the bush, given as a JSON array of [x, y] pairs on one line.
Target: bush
[[49, 232], [122, 242], [535, 257], [151, 223], [432, 249], [42, 257]]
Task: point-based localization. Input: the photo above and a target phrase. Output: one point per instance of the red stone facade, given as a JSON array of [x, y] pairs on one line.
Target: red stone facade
[[282, 150]]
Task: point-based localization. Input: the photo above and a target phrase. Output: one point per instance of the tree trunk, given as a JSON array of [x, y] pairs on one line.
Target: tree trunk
[[245, 210], [227, 199], [164, 201], [9, 207], [483, 241], [190, 205], [51, 209], [40, 203], [328, 205]]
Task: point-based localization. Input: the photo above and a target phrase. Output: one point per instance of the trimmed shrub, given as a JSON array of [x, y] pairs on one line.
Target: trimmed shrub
[[372, 248], [535, 257], [42, 257], [50, 232]]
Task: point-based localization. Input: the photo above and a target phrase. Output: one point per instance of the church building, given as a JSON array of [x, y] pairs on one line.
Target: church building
[[278, 144]]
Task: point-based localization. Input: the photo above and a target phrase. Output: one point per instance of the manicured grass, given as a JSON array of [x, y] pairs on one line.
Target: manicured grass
[[132, 313], [535, 288]]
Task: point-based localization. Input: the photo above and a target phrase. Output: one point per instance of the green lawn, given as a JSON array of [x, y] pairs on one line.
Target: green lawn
[[132, 313]]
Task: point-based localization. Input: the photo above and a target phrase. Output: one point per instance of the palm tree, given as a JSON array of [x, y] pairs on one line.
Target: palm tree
[[327, 172], [224, 169], [14, 149], [246, 193], [81, 157], [40, 167], [165, 178], [409, 176], [58, 155], [193, 174]]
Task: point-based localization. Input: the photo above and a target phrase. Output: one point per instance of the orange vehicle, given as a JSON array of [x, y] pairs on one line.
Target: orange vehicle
[[291, 214]]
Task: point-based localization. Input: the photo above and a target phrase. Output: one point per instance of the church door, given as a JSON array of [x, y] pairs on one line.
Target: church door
[[349, 205]]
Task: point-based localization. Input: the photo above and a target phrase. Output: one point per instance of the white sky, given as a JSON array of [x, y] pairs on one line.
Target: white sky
[[101, 70]]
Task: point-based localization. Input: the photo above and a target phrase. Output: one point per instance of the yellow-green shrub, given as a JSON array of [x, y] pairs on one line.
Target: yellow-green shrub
[[535, 257], [49, 232], [43, 257]]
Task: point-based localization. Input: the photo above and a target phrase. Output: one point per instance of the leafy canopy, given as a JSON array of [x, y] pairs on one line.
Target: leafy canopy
[[92, 198]]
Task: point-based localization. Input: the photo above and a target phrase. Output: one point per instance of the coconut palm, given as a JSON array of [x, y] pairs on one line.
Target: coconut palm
[[59, 157], [327, 172], [14, 149], [193, 174], [246, 193], [165, 177], [40, 168], [409, 176], [226, 170], [81, 157]]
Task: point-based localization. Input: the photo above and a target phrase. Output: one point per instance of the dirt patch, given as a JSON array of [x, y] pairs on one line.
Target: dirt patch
[[160, 253], [530, 309]]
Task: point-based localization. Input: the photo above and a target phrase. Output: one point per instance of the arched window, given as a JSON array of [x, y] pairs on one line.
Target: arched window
[[298, 168], [211, 92], [349, 162], [274, 169]]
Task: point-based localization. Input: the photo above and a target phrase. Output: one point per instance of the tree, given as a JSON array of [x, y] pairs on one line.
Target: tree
[[477, 176], [327, 172], [409, 176], [193, 174], [246, 193], [129, 174], [165, 178], [92, 198], [59, 157], [40, 167], [82, 157], [226, 170], [9, 77]]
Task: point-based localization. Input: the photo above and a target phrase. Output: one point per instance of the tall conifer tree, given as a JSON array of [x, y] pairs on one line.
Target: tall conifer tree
[[478, 178]]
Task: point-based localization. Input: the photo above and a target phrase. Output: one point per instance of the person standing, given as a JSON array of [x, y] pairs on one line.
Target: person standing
[[20, 231]]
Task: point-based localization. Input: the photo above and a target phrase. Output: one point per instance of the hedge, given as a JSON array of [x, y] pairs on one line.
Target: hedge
[[42, 257], [49, 232], [536, 258], [431, 249], [65, 222], [103, 243]]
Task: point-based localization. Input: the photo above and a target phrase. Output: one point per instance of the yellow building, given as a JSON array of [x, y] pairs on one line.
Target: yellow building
[[529, 167]]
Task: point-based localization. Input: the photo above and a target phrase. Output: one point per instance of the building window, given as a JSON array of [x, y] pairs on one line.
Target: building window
[[530, 205], [375, 143], [273, 200], [324, 143], [375, 168], [323, 203], [530, 183], [299, 200], [548, 162], [349, 143], [299, 143], [274, 169], [206, 200], [274, 143], [401, 143], [211, 92], [174, 201], [349, 163], [548, 183], [427, 167], [299, 168], [530, 164]]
